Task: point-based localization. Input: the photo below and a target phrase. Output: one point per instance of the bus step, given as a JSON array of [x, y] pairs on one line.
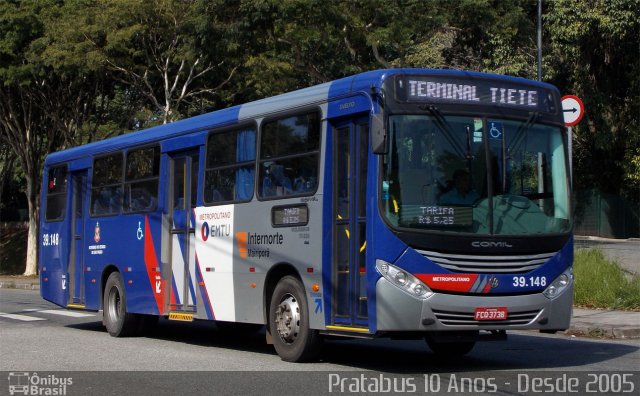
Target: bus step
[[76, 306], [181, 316], [347, 331]]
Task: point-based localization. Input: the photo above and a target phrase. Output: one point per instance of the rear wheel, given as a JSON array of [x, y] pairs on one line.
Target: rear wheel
[[289, 322], [117, 320]]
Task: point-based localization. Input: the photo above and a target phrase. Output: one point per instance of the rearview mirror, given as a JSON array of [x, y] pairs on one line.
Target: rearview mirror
[[378, 134]]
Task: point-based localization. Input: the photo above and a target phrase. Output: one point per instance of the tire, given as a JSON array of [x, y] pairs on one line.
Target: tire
[[450, 349], [117, 320], [292, 338]]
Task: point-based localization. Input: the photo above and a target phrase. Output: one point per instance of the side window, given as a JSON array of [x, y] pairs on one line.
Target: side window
[[141, 180], [289, 155], [56, 193], [106, 185], [230, 166]]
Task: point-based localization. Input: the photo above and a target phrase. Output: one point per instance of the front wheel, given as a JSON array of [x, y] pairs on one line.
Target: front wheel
[[117, 320], [293, 340]]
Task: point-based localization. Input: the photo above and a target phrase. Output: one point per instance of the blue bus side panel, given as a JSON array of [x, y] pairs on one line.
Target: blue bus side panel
[[55, 245], [131, 244]]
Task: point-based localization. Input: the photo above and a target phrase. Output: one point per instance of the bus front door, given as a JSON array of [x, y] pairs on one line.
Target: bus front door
[[349, 235], [183, 192], [76, 256]]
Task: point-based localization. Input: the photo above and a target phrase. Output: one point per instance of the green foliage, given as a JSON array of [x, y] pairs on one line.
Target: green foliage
[[593, 53], [601, 283]]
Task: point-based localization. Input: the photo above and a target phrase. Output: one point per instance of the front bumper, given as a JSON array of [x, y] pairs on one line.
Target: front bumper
[[398, 311]]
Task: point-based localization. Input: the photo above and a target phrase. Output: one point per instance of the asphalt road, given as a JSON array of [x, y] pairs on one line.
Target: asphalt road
[[43, 338]]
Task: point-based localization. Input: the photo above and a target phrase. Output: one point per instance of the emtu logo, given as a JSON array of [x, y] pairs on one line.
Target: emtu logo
[[241, 240], [205, 231]]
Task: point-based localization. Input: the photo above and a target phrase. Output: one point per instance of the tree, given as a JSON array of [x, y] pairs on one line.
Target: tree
[[45, 103], [292, 44], [152, 47], [593, 52], [87, 104], [20, 117]]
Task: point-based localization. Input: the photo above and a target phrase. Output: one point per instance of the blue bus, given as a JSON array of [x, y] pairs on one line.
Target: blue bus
[[404, 203]]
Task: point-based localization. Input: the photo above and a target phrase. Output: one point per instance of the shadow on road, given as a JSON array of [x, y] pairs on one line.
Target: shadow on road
[[521, 351], [517, 353]]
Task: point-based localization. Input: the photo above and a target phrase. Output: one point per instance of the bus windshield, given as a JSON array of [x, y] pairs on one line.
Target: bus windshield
[[478, 175]]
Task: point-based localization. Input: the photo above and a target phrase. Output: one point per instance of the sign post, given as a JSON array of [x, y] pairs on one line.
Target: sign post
[[572, 110]]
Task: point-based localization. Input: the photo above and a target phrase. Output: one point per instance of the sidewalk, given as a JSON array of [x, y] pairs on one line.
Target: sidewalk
[[605, 323], [19, 282], [585, 322]]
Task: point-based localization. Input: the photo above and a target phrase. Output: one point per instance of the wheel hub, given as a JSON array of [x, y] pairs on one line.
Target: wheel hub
[[113, 309], [288, 319]]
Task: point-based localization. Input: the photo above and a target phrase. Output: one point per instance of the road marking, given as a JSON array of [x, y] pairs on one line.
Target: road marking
[[66, 313], [23, 318]]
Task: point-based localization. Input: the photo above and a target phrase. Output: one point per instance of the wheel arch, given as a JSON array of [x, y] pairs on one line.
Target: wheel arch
[[274, 275], [108, 270]]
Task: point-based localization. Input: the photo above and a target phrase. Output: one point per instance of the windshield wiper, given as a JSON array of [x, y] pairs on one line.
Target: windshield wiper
[[444, 125], [521, 132]]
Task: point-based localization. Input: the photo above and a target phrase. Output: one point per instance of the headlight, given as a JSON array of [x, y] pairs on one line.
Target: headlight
[[403, 280], [559, 284]]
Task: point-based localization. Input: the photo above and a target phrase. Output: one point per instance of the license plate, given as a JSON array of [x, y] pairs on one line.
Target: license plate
[[491, 313]]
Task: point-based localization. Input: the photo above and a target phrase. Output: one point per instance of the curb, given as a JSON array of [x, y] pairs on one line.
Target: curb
[[22, 286], [599, 331]]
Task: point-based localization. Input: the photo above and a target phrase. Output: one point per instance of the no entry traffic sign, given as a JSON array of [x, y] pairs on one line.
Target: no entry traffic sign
[[572, 109]]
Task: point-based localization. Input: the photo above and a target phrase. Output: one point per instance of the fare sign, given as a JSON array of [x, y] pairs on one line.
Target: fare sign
[[572, 110]]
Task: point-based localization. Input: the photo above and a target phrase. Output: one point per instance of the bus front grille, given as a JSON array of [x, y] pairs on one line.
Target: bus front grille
[[468, 263], [451, 318]]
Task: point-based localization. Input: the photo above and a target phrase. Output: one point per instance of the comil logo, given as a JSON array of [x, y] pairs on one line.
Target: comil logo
[[486, 244], [34, 384]]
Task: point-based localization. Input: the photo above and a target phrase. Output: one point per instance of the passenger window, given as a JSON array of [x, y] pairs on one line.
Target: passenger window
[[56, 193], [289, 154], [106, 185], [230, 166], [141, 180]]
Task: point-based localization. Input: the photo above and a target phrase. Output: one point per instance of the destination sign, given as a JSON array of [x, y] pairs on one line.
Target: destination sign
[[438, 89]]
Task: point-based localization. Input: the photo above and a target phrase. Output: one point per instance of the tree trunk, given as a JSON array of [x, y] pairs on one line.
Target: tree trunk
[[32, 237]]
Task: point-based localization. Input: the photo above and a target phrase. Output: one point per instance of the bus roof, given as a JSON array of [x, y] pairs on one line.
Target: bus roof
[[362, 82]]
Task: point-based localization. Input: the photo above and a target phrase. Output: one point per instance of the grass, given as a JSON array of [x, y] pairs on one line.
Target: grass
[[601, 283]]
